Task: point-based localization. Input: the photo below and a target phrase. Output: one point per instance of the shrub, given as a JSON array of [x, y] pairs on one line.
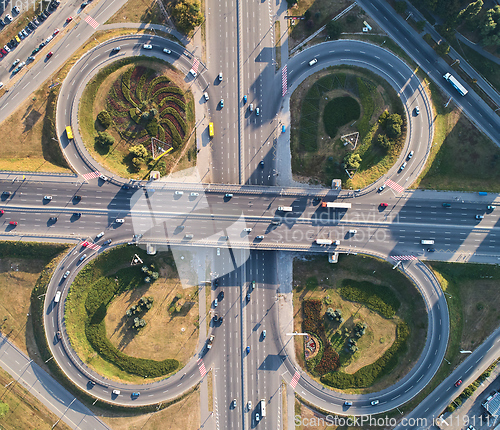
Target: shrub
[[329, 361], [104, 139], [104, 118], [187, 14]]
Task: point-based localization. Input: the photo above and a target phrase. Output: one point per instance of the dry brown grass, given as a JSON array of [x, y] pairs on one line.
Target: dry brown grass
[[145, 11], [25, 410], [153, 341], [183, 415]]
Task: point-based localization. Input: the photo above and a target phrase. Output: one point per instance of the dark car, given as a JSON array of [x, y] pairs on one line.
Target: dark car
[[35, 51], [41, 17], [446, 205], [58, 335], [216, 283], [248, 297], [431, 249], [77, 215], [135, 395], [107, 242], [6, 194], [77, 198], [261, 164], [221, 295], [53, 219], [49, 55]]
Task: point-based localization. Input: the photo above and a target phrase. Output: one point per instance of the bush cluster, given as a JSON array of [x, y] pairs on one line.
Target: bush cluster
[[367, 375], [378, 298], [104, 118]]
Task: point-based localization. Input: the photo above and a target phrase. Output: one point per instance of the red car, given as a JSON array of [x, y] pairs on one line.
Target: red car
[[458, 383], [383, 205], [56, 31], [2, 211], [13, 223], [4, 52], [49, 55], [69, 19]]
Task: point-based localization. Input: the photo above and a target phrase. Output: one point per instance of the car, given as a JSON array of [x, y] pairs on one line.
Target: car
[[17, 39], [53, 219], [119, 220], [77, 198], [4, 52], [69, 19], [490, 208], [6, 48], [47, 197], [248, 297], [216, 283], [179, 193], [247, 229], [261, 164], [30, 58], [193, 73], [24, 32], [228, 195], [374, 402], [479, 216], [16, 9], [383, 205], [205, 94], [221, 295], [146, 46], [84, 4], [251, 107], [216, 318], [218, 251], [16, 62], [2, 211], [220, 76], [283, 128], [221, 103], [77, 215], [313, 61], [66, 274], [264, 334], [221, 319], [116, 392], [245, 98], [167, 51], [252, 286], [402, 166], [101, 234], [49, 55], [91, 384], [346, 403], [13, 223], [471, 427], [107, 242], [257, 417], [18, 69], [49, 39], [257, 111], [58, 335], [56, 32], [83, 257], [233, 403], [353, 231], [458, 383], [259, 237], [417, 110], [249, 405], [193, 194], [1, 84], [446, 205], [103, 178], [35, 22], [8, 19], [41, 17], [135, 395], [31, 26], [247, 350], [216, 302], [126, 187], [431, 249]]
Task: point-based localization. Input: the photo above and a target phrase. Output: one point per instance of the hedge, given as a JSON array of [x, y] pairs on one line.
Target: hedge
[[176, 137], [178, 117], [378, 298], [30, 250], [172, 99], [366, 376]]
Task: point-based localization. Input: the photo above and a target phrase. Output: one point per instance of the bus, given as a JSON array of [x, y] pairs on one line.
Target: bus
[[336, 205], [69, 132], [453, 81], [262, 408], [211, 129]]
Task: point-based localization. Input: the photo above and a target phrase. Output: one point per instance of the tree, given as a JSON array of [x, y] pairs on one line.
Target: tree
[[384, 141], [443, 48], [292, 3], [393, 126], [139, 151], [352, 161], [136, 164], [187, 14], [471, 10], [104, 118], [334, 29], [400, 6], [420, 25], [104, 139], [330, 313]]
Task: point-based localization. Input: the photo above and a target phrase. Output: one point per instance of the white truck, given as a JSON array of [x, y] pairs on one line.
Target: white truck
[[427, 242], [285, 208], [327, 242]]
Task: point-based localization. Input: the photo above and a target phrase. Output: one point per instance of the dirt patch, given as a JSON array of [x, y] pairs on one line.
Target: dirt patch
[[165, 335], [145, 11]]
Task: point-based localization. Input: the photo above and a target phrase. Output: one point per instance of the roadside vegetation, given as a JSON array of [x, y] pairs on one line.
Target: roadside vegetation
[[127, 104], [187, 14], [103, 297], [342, 101], [144, 11], [366, 330]]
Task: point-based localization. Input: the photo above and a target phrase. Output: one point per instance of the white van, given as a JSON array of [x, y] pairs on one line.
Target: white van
[[57, 297], [116, 392], [427, 242], [353, 231]]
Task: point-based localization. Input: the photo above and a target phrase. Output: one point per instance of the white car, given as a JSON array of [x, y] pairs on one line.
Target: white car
[[101, 234], [193, 194], [402, 166], [119, 220], [193, 73], [313, 61], [218, 251], [8, 18], [248, 229], [66, 274], [16, 9], [167, 51], [16, 62], [220, 76], [47, 197], [103, 178], [251, 107], [6, 48], [249, 405], [374, 402], [116, 392], [257, 417], [179, 193], [205, 94], [410, 155], [49, 39], [257, 111], [146, 46], [1, 84]]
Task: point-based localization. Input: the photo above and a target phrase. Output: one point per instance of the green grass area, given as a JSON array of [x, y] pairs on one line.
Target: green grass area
[[318, 156], [90, 294], [338, 112], [145, 11]]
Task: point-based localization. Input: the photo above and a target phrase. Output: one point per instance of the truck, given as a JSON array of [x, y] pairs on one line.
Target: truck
[[262, 408], [336, 205], [327, 242], [427, 242], [210, 341], [454, 82], [285, 208]]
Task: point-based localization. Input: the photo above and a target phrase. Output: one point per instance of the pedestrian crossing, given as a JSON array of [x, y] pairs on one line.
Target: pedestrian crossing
[[396, 187], [91, 175], [404, 257], [295, 379], [91, 21], [201, 367], [91, 245], [284, 80]]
